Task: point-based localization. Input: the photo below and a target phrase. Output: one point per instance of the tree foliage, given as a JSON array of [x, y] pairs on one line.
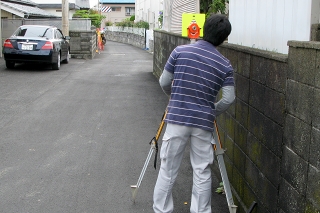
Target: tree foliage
[[213, 6], [94, 15]]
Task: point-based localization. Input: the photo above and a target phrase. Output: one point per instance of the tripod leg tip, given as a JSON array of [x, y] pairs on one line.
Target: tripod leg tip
[[134, 192]]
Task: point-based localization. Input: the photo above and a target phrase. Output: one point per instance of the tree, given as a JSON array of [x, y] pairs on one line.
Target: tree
[[94, 15], [213, 6]]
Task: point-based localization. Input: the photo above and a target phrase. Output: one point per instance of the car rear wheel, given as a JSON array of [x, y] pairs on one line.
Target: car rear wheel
[[56, 66], [9, 64], [66, 61]]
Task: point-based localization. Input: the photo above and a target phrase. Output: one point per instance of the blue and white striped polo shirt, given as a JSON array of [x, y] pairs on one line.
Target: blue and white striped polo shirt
[[199, 73]]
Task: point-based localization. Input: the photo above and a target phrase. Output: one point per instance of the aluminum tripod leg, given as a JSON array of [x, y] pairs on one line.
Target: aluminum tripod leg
[[154, 147], [226, 184], [136, 187]]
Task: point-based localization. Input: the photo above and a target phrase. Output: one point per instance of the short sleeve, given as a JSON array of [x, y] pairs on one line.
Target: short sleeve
[[229, 80], [169, 66]]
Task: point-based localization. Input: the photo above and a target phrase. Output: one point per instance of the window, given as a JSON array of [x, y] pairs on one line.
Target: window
[[34, 31], [58, 35], [117, 9], [129, 11]]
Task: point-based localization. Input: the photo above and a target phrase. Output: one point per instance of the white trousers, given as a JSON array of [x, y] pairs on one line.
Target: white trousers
[[173, 145]]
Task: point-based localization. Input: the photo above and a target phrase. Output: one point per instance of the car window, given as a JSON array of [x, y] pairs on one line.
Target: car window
[[58, 34], [34, 31]]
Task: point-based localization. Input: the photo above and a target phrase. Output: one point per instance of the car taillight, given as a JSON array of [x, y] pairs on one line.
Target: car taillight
[[7, 44], [47, 46]]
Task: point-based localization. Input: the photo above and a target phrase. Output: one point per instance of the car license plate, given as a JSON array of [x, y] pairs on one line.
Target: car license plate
[[27, 47]]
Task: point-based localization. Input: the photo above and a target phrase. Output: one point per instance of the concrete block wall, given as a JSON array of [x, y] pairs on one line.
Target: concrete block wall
[[127, 38], [83, 44], [271, 133], [252, 129], [301, 162]]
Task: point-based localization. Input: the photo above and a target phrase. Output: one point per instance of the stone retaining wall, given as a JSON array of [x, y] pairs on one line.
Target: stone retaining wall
[[83, 44], [127, 38]]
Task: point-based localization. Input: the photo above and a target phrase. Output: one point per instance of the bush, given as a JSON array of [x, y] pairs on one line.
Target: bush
[[132, 18], [129, 23], [94, 15], [125, 23], [142, 24], [108, 23]]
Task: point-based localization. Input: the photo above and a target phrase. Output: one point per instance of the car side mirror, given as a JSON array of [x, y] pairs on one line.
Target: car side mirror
[[67, 37]]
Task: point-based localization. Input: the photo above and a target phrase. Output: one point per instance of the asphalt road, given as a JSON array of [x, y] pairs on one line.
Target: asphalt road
[[74, 140]]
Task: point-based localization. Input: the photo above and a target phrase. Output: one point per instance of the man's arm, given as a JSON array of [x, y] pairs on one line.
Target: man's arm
[[165, 81], [228, 97]]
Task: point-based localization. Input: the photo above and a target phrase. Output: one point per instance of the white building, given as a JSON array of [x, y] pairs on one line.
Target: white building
[[268, 25], [149, 11]]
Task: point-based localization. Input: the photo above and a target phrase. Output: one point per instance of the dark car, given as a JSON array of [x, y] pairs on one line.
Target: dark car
[[37, 43]]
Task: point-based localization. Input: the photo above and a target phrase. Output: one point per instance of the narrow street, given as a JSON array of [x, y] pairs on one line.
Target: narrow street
[[74, 140]]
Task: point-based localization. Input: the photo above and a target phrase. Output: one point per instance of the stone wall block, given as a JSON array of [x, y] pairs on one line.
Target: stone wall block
[[255, 126], [228, 146], [275, 105], [317, 70], [273, 136], [259, 154], [300, 100], [237, 181], [229, 125], [316, 108], [313, 187], [242, 112], [297, 136], [289, 199], [258, 69], [75, 44], [257, 97], [244, 64], [252, 175], [242, 87], [267, 193], [240, 157], [314, 158], [302, 64], [294, 170], [277, 76], [241, 138], [249, 196]]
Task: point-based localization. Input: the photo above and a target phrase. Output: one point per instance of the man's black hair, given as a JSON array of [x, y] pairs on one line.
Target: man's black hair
[[216, 29]]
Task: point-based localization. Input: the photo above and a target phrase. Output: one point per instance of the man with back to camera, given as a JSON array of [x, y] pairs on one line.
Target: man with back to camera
[[192, 77]]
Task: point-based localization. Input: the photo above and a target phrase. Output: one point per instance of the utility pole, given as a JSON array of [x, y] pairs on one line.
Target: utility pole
[[65, 17]]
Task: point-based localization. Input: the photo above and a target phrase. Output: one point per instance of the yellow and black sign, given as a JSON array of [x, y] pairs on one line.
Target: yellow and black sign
[[192, 24]]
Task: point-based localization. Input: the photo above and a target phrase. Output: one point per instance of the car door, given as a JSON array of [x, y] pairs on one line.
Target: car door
[[62, 43]]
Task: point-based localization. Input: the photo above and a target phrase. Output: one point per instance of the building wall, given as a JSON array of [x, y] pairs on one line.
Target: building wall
[[149, 10], [5, 14], [117, 16], [272, 132], [268, 25], [56, 11]]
